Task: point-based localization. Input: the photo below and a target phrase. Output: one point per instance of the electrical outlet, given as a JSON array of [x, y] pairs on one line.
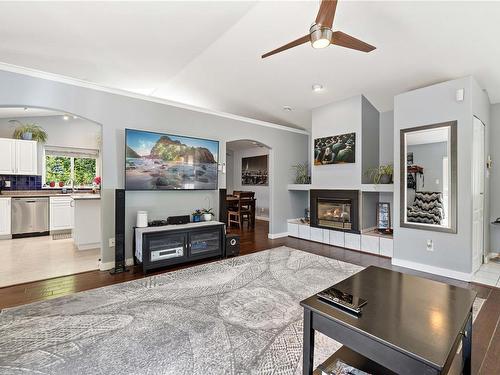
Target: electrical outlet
[[430, 245], [112, 242]]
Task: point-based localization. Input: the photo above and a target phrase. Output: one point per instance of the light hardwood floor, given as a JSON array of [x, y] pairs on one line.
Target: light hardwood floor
[[37, 258]]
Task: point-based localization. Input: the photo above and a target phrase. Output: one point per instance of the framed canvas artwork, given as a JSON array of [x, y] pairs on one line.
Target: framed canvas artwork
[[336, 149]]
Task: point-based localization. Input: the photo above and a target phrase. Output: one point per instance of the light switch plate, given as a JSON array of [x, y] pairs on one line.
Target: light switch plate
[[430, 245], [112, 242]]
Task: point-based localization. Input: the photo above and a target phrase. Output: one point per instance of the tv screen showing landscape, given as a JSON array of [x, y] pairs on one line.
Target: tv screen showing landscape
[[156, 161]]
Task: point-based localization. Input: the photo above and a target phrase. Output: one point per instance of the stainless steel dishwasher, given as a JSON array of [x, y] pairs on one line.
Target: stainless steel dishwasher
[[30, 216]]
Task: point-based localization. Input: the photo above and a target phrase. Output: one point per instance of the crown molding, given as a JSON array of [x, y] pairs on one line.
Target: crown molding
[[94, 86]]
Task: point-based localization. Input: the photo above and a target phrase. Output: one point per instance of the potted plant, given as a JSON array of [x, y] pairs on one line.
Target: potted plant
[[381, 174], [29, 131], [207, 214], [197, 215], [302, 174], [96, 184]]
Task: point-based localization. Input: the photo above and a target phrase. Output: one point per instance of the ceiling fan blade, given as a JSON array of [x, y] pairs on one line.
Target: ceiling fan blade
[[326, 13], [295, 43], [344, 40]]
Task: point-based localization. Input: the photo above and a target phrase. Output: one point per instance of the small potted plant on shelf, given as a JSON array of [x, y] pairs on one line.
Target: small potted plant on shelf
[[96, 184], [29, 131], [197, 215], [207, 214], [381, 174]]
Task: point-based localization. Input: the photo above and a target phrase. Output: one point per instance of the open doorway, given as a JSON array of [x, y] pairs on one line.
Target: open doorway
[[50, 210], [248, 175]]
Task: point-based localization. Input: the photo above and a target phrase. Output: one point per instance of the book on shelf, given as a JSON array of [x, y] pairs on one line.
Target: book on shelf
[[340, 368]]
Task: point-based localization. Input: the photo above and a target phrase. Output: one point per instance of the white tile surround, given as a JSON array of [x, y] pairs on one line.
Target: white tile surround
[[368, 243], [488, 274]]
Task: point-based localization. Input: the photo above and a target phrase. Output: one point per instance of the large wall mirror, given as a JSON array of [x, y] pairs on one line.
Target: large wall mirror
[[429, 177]]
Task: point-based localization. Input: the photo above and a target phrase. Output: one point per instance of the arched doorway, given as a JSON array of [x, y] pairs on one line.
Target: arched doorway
[[50, 202], [249, 169]]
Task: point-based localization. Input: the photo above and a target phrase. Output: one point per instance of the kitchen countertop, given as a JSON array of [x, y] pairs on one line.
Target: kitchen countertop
[[47, 193]]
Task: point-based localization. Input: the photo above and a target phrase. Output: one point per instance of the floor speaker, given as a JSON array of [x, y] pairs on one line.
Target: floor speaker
[[119, 232], [232, 245], [222, 206]]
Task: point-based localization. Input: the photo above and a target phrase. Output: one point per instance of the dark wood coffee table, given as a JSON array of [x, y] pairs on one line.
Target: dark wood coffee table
[[410, 325]]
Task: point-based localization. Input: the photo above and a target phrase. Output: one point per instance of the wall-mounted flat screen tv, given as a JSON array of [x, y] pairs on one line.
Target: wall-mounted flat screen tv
[[156, 161]]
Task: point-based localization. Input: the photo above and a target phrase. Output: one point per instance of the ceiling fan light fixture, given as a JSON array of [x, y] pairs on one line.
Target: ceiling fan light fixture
[[320, 36]]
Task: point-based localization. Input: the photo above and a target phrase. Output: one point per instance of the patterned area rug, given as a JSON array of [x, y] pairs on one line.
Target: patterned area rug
[[236, 316]]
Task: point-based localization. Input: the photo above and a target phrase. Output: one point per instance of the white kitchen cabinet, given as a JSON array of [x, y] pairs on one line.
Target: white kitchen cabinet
[[87, 231], [7, 156], [26, 157], [18, 157], [370, 244], [316, 234], [304, 232], [61, 213], [337, 238], [5, 209], [326, 236], [386, 247], [293, 229], [353, 241]]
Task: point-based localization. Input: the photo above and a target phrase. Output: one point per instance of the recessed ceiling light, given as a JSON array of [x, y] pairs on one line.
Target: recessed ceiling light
[[65, 117], [75, 117], [317, 87], [287, 108], [254, 143]]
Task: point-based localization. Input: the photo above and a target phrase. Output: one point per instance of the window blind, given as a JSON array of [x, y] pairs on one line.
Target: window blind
[[71, 152]]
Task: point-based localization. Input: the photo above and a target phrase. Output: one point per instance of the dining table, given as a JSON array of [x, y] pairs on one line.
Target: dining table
[[231, 199]]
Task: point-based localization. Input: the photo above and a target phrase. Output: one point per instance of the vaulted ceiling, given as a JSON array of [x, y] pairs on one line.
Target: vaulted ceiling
[[208, 53]]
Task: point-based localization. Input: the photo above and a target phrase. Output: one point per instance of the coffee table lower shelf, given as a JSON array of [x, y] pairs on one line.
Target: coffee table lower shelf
[[353, 359]]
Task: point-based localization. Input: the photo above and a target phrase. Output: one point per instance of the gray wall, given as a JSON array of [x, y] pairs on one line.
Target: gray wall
[[117, 112], [386, 140], [333, 119], [370, 133], [430, 157], [495, 176], [427, 106]]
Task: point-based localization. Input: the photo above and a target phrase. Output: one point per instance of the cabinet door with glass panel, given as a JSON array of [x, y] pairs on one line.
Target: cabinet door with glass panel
[[205, 242], [428, 187]]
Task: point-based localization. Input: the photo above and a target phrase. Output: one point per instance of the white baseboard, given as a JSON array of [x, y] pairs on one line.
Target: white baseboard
[[452, 274], [273, 236], [89, 246], [264, 218], [104, 266]]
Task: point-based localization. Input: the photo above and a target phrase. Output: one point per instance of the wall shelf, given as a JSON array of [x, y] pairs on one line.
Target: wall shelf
[[378, 188], [300, 187]]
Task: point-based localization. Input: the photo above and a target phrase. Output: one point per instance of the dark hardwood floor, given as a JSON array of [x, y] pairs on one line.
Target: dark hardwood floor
[[486, 337]]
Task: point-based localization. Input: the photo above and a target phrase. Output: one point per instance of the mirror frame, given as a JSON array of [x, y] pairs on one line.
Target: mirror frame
[[453, 182]]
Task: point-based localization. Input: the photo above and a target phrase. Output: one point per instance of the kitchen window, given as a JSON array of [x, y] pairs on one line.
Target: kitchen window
[[67, 167]]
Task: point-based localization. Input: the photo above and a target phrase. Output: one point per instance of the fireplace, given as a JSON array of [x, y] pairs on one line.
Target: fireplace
[[335, 209]]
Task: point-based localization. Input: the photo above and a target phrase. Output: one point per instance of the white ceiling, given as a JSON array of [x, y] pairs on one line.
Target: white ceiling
[[208, 53]]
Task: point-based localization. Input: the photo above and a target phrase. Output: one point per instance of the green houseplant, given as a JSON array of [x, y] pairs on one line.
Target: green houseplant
[[207, 214], [29, 131], [301, 173], [381, 174]]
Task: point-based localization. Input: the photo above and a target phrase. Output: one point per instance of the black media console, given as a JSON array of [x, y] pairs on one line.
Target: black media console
[[168, 245]]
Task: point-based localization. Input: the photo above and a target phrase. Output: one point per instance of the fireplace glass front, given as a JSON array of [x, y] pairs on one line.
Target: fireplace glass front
[[334, 213]]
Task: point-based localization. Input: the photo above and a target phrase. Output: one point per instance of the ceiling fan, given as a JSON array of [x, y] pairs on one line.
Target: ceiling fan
[[321, 34]]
